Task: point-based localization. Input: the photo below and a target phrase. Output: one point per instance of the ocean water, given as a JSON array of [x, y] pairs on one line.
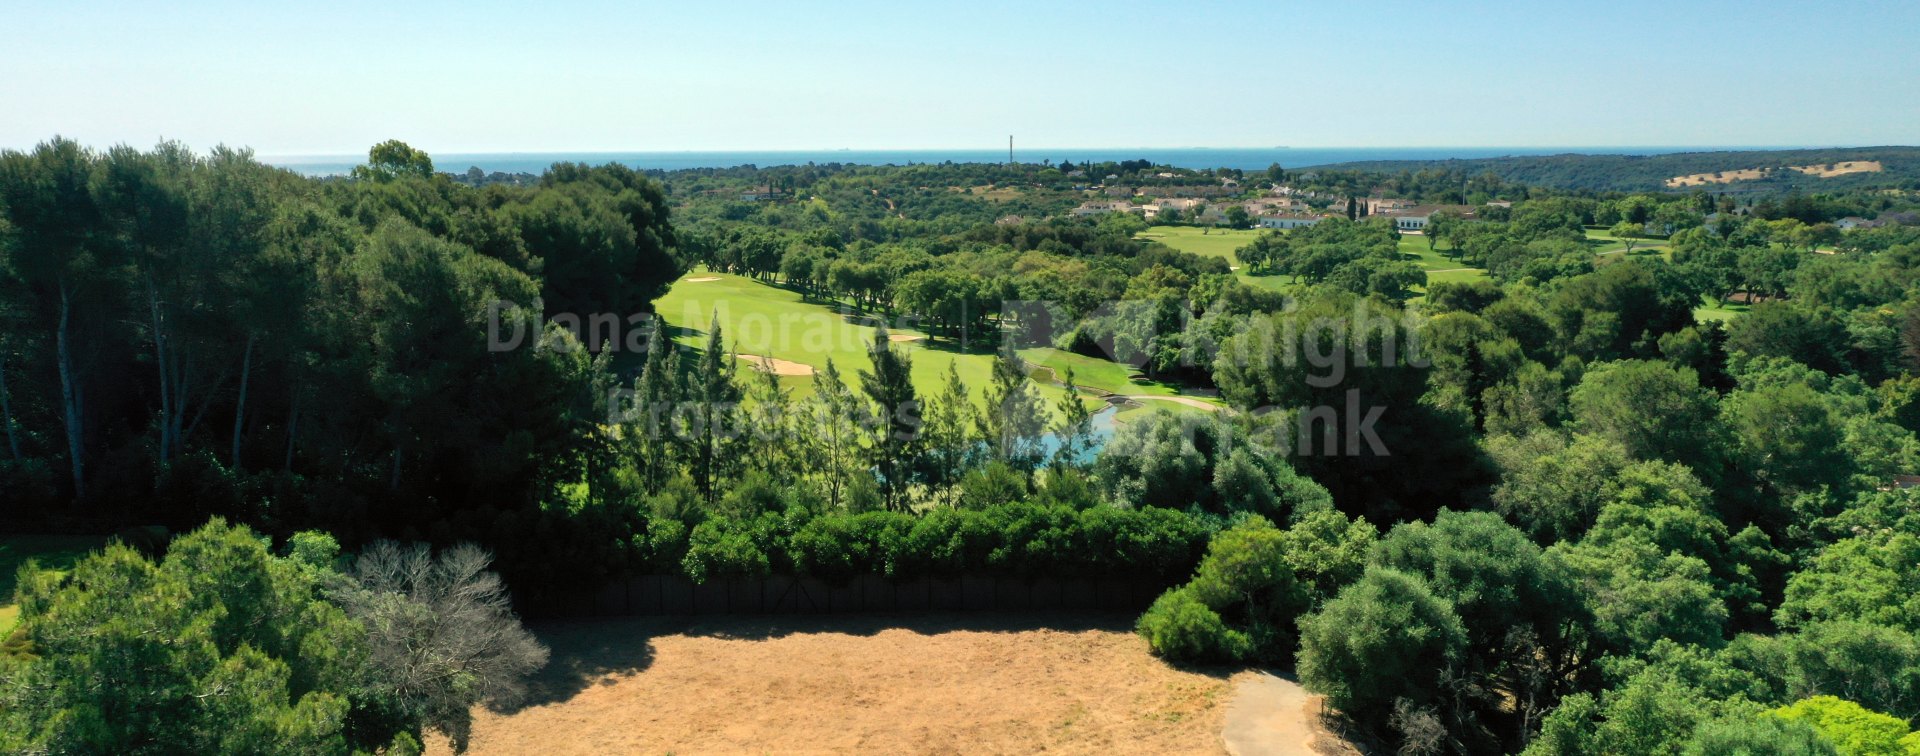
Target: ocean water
[[1183, 157]]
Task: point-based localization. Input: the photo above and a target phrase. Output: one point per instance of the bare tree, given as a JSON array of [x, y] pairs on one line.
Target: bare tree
[[442, 633], [1420, 731]]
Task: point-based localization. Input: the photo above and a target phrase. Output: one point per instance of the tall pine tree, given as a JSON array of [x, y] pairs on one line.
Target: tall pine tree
[[655, 393], [1075, 430], [714, 434], [897, 441], [1015, 417], [835, 448], [950, 443]]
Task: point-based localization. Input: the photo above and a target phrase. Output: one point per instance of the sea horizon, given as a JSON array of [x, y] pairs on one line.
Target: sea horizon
[[1241, 158]]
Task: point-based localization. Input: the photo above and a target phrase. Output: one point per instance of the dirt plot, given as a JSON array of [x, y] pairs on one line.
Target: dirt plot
[[956, 683]]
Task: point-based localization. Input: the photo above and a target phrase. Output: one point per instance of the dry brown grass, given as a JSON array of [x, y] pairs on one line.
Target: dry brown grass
[[1841, 169], [1751, 174], [975, 683]]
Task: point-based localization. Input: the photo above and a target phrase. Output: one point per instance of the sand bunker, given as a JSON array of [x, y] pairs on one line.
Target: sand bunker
[[777, 366], [703, 279], [899, 337]]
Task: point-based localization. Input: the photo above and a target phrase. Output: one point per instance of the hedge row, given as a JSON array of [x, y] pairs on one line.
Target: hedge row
[[1016, 540]]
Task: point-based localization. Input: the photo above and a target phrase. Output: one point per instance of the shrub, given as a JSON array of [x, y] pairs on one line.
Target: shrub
[[839, 546], [1245, 577], [1014, 540], [1383, 638], [1034, 540], [1149, 542], [726, 548], [1179, 626], [947, 543], [1257, 579]]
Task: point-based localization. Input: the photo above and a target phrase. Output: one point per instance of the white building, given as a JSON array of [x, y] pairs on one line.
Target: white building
[[1414, 218]]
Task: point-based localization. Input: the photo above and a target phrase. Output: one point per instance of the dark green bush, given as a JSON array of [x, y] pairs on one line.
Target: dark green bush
[[1178, 626], [947, 543], [728, 548], [1250, 594], [1014, 540], [1149, 542], [838, 547]]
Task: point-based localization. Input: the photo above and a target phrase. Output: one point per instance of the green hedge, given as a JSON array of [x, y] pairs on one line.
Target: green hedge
[[1018, 540]]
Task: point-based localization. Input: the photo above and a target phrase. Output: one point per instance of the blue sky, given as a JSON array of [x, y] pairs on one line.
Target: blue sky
[[571, 75]]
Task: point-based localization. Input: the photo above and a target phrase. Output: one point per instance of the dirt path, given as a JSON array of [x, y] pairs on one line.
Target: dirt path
[[1274, 715], [895, 684]]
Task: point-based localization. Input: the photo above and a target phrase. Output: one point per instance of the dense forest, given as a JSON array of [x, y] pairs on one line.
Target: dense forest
[[1549, 509]]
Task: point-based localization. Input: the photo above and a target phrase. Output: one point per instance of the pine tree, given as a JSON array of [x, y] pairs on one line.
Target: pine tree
[[834, 412], [716, 409], [1015, 418], [772, 435], [950, 440], [1075, 430], [897, 440], [655, 394]]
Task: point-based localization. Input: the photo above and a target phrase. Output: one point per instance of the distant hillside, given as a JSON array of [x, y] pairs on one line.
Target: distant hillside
[[1729, 172]]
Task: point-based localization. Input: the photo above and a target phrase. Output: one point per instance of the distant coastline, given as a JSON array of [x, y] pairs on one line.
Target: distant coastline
[[1181, 157]]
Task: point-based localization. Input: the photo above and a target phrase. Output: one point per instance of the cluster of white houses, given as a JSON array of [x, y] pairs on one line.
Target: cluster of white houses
[[1282, 209]]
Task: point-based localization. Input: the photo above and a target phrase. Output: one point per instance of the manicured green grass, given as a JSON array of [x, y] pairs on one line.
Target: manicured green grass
[[1212, 242], [1414, 249], [1279, 283], [1138, 410], [1439, 267], [758, 318], [51, 552], [1605, 243], [1457, 275], [1717, 310], [1093, 372]]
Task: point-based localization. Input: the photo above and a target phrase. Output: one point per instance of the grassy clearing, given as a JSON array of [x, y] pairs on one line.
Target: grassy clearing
[[758, 318], [1218, 243], [1415, 250], [1603, 242], [1711, 309], [1211, 242], [51, 552], [1221, 243]]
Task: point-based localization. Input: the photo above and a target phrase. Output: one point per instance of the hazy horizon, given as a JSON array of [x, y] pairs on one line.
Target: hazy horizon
[[1242, 158]]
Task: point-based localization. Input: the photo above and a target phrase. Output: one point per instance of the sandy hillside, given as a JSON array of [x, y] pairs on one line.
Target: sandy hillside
[[1841, 169], [974, 683], [1828, 170]]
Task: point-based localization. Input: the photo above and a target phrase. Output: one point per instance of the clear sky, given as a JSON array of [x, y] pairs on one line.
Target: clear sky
[[573, 75]]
